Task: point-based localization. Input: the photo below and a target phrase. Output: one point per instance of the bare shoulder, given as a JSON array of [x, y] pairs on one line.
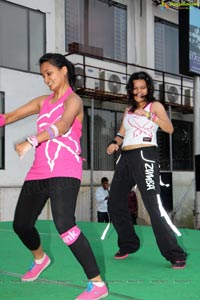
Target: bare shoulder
[[156, 105], [40, 100], [75, 98], [37, 102], [43, 97], [159, 109], [74, 106]]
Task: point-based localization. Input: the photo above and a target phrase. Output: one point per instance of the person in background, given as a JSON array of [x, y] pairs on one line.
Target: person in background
[[139, 164], [102, 196], [133, 206], [56, 171]]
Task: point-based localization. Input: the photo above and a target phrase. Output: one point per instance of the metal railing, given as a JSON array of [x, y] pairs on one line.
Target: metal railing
[[106, 79]]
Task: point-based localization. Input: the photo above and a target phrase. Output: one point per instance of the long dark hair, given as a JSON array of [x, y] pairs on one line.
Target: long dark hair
[[150, 88], [59, 61]]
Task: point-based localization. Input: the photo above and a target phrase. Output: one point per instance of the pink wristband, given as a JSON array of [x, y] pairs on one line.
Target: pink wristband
[[50, 132], [2, 120], [33, 141], [55, 129]]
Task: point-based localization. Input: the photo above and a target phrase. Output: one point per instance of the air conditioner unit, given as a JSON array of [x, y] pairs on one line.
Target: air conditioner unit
[[88, 79], [172, 94], [113, 82], [92, 78], [79, 77]]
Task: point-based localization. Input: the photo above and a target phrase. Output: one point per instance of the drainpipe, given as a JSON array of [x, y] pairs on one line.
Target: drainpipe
[[92, 161]]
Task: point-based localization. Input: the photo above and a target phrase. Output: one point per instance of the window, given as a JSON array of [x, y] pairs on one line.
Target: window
[[95, 24], [182, 146], [22, 37], [166, 46], [163, 150], [2, 143], [106, 124]]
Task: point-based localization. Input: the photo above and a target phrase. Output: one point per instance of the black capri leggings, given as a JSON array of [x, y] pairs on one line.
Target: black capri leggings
[[62, 192]]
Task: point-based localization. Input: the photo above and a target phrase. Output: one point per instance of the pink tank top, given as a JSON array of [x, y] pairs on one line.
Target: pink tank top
[[59, 157]]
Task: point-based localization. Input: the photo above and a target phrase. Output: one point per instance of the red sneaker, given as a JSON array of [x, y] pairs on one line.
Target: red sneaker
[[120, 255]]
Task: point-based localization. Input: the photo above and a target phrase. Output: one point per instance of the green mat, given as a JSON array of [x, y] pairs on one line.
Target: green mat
[[145, 275]]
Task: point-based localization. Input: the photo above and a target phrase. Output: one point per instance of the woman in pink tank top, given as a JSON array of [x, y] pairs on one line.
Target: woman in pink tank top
[[56, 171]]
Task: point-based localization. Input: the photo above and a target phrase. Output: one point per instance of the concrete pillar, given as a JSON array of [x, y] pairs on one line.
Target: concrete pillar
[[197, 150]]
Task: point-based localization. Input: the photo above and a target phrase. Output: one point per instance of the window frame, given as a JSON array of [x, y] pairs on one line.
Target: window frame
[[163, 68], [81, 42], [28, 10]]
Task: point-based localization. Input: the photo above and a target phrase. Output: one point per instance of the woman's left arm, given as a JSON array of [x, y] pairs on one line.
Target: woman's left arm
[[73, 108], [161, 118]]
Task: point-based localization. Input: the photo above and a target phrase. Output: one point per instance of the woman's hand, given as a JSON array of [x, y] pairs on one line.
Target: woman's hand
[[112, 148], [140, 112], [22, 148]]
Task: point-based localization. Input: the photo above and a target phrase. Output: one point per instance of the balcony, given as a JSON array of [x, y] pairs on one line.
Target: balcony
[[105, 80]]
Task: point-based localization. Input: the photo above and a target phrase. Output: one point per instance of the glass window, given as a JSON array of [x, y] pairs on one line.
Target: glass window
[[74, 22], [37, 38], [163, 150], [182, 146], [22, 41], [87, 21], [2, 133], [166, 46], [104, 131]]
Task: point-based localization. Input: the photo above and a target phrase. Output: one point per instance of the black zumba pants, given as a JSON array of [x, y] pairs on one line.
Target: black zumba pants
[[141, 167]]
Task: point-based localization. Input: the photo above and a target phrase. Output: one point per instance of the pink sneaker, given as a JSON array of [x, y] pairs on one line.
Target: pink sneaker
[[93, 292], [179, 264], [36, 269]]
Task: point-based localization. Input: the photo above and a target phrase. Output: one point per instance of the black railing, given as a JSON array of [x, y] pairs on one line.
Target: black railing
[[106, 79]]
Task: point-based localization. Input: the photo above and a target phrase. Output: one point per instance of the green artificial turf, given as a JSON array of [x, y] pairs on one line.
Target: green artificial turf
[[145, 275]]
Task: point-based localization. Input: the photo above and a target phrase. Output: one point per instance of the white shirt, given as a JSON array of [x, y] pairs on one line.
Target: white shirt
[[139, 130], [101, 194]]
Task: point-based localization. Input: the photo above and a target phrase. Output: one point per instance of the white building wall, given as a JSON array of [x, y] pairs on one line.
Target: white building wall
[[19, 88]]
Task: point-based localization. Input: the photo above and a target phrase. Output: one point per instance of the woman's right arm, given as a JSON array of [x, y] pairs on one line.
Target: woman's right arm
[[28, 109]]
